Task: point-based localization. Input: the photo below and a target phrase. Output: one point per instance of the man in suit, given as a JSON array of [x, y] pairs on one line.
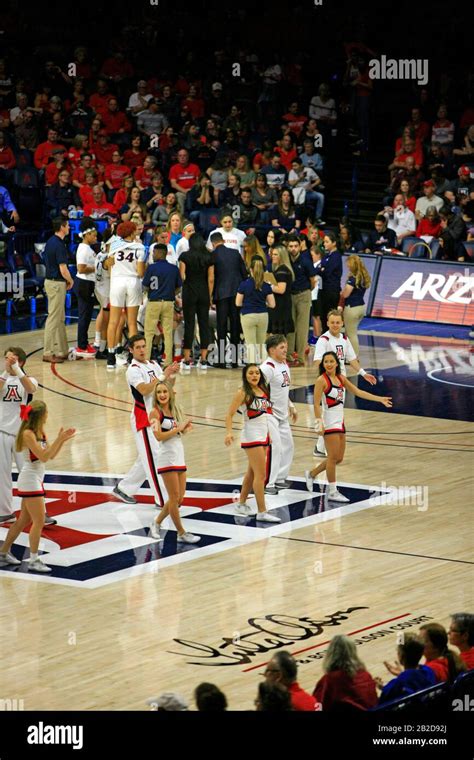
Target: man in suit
[[229, 271]]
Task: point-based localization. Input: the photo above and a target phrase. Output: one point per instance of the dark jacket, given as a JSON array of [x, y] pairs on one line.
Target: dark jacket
[[229, 271]]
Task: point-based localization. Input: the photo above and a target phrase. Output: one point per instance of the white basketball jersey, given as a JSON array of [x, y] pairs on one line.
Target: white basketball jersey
[[341, 346], [127, 255]]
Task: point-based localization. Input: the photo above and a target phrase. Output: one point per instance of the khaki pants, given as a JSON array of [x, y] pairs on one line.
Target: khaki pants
[[352, 316], [255, 327], [55, 338], [301, 310], [159, 311]]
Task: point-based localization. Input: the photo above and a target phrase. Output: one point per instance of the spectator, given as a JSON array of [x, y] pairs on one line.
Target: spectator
[[115, 173], [61, 195], [117, 68], [310, 158], [281, 319], [218, 175], [57, 280], [86, 190], [209, 698], [27, 134], [196, 267], [138, 101], [286, 151], [345, 242], [467, 149], [429, 226], [7, 159], [169, 104], [200, 197], [428, 199], [152, 121], [233, 237], [408, 149], [44, 151], [294, 120], [421, 128], [99, 208], [461, 635], [412, 676], [283, 669], [463, 185], [275, 172], [346, 681], [134, 204], [115, 121], [443, 130], [304, 183], [120, 197], [183, 175], [381, 238], [163, 283], [248, 213], [322, 108], [194, 103], [445, 664], [405, 189], [79, 174], [264, 197], [303, 284], [285, 216], [229, 271], [453, 232], [144, 174], [400, 219], [134, 156], [217, 104], [245, 174], [272, 697], [8, 212], [104, 149], [98, 101], [436, 159], [253, 297], [263, 157], [59, 161], [17, 114], [163, 212], [311, 133], [231, 195]]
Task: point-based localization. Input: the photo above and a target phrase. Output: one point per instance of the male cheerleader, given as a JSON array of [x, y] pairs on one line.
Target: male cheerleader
[[16, 388], [277, 375], [334, 340], [142, 377]]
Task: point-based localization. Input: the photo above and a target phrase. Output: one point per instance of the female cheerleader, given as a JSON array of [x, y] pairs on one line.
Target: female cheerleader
[[168, 425], [31, 440], [330, 387], [255, 395]]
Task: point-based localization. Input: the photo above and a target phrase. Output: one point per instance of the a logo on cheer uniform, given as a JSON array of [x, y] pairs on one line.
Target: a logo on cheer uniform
[[340, 395], [340, 352], [262, 404], [12, 394], [286, 379]]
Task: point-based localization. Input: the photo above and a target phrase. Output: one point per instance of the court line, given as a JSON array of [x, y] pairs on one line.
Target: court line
[[323, 643], [381, 551], [218, 419]]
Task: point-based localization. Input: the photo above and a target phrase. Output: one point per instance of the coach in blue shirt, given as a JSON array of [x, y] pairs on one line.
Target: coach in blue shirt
[[300, 299], [330, 269], [57, 280], [229, 271], [163, 281]]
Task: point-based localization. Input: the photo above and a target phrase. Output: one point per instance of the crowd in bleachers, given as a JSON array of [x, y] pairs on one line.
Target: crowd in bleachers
[[446, 673]]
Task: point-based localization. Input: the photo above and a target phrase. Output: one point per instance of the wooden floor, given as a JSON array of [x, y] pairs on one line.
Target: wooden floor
[[113, 647]]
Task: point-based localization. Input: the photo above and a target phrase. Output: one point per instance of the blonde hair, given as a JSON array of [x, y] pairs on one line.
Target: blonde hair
[[358, 269], [252, 242], [257, 272], [168, 223], [175, 408], [34, 422], [284, 259]]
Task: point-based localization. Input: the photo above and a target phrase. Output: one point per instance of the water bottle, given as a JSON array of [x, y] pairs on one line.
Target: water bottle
[[79, 213], [9, 307], [33, 305], [68, 301]]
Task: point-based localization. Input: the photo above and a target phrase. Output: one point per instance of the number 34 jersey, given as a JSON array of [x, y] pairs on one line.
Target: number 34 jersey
[[127, 255]]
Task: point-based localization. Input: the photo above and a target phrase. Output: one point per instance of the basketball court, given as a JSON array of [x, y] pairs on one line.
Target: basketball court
[[122, 617]]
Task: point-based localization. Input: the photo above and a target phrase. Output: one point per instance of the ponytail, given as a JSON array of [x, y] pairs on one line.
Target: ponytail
[[34, 417], [257, 272]]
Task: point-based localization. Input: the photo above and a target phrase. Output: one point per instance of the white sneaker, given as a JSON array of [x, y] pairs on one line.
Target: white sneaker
[[267, 517], [309, 480], [336, 496], [244, 509], [38, 566], [188, 538], [7, 558], [155, 530], [185, 366], [319, 450]]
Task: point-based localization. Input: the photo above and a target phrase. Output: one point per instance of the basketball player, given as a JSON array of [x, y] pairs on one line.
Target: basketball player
[[334, 340], [31, 440], [330, 388], [254, 396], [277, 374], [102, 293], [126, 262], [168, 425], [142, 378], [16, 388]]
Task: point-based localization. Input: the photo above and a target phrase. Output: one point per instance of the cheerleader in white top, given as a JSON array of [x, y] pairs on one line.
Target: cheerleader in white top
[[329, 396], [254, 398], [169, 425], [31, 440]]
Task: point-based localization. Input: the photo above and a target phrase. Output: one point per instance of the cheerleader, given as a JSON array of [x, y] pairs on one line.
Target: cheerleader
[[169, 425], [330, 388], [254, 397], [31, 440]]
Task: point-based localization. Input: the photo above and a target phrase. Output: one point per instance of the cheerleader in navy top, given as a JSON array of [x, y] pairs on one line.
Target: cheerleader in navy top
[[169, 425], [31, 440], [329, 397], [254, 398]]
